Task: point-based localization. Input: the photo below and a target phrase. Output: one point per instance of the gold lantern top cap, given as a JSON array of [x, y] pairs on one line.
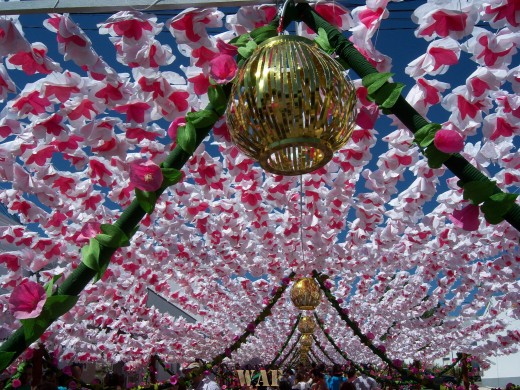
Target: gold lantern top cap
[[291, 106], [306, 294], [286, 38]]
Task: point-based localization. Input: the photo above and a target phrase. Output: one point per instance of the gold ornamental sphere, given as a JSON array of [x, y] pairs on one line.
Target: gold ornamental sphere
[[306, 325], [306, 340], [305, 294], [304, 358], [291, 106]]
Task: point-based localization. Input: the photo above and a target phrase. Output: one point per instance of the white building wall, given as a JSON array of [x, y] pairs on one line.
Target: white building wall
[[504, 368]]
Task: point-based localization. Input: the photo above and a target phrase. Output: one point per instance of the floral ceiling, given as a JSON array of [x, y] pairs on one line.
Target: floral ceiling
[[415, 265]]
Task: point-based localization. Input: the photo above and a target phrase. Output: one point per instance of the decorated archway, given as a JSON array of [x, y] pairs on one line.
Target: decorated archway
[[226, 233]]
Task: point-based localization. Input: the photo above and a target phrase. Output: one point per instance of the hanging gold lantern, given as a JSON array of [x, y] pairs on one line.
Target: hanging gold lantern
[[291, 106], [305, 294], [306, 340], [306, 325]]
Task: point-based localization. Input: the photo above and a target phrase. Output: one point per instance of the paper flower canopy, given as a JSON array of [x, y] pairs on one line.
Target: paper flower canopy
[[376, 218]]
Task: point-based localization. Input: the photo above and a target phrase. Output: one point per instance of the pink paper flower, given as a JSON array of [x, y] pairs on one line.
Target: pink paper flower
[[174, 126], [145, 175], [174, 379], [251, 327], [370, 336], [467, 218], [27, 300], [88, 230], [449, 141], [16, 383], [226, 48], [223, 68]]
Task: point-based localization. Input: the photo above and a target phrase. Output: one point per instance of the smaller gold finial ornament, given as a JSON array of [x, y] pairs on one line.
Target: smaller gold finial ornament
[[306, 340], [291, 106], [306, 325], [305, 294]]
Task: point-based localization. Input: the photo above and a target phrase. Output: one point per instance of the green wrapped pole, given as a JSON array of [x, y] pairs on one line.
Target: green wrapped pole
[[317, 342], [451, 366], [290, 351], [316, 358], [457, 164], [293, 359], [338, 349], [312, 357]]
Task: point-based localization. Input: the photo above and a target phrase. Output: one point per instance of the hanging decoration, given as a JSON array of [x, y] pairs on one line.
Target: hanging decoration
[[306, 325], [291, 106], [306, 340], [303, 356], [305, 294]]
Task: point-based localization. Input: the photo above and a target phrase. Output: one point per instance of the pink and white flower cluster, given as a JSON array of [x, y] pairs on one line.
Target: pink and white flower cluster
[[396, 237]]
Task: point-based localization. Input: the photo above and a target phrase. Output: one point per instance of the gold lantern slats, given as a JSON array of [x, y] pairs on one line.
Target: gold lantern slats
[[306, 325], [291, 106], [306, 294]]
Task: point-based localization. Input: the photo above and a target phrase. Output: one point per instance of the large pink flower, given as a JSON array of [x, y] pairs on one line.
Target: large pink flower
[[449, 141], [145, 175], [467, 218], [27, 300], [223, 68]]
